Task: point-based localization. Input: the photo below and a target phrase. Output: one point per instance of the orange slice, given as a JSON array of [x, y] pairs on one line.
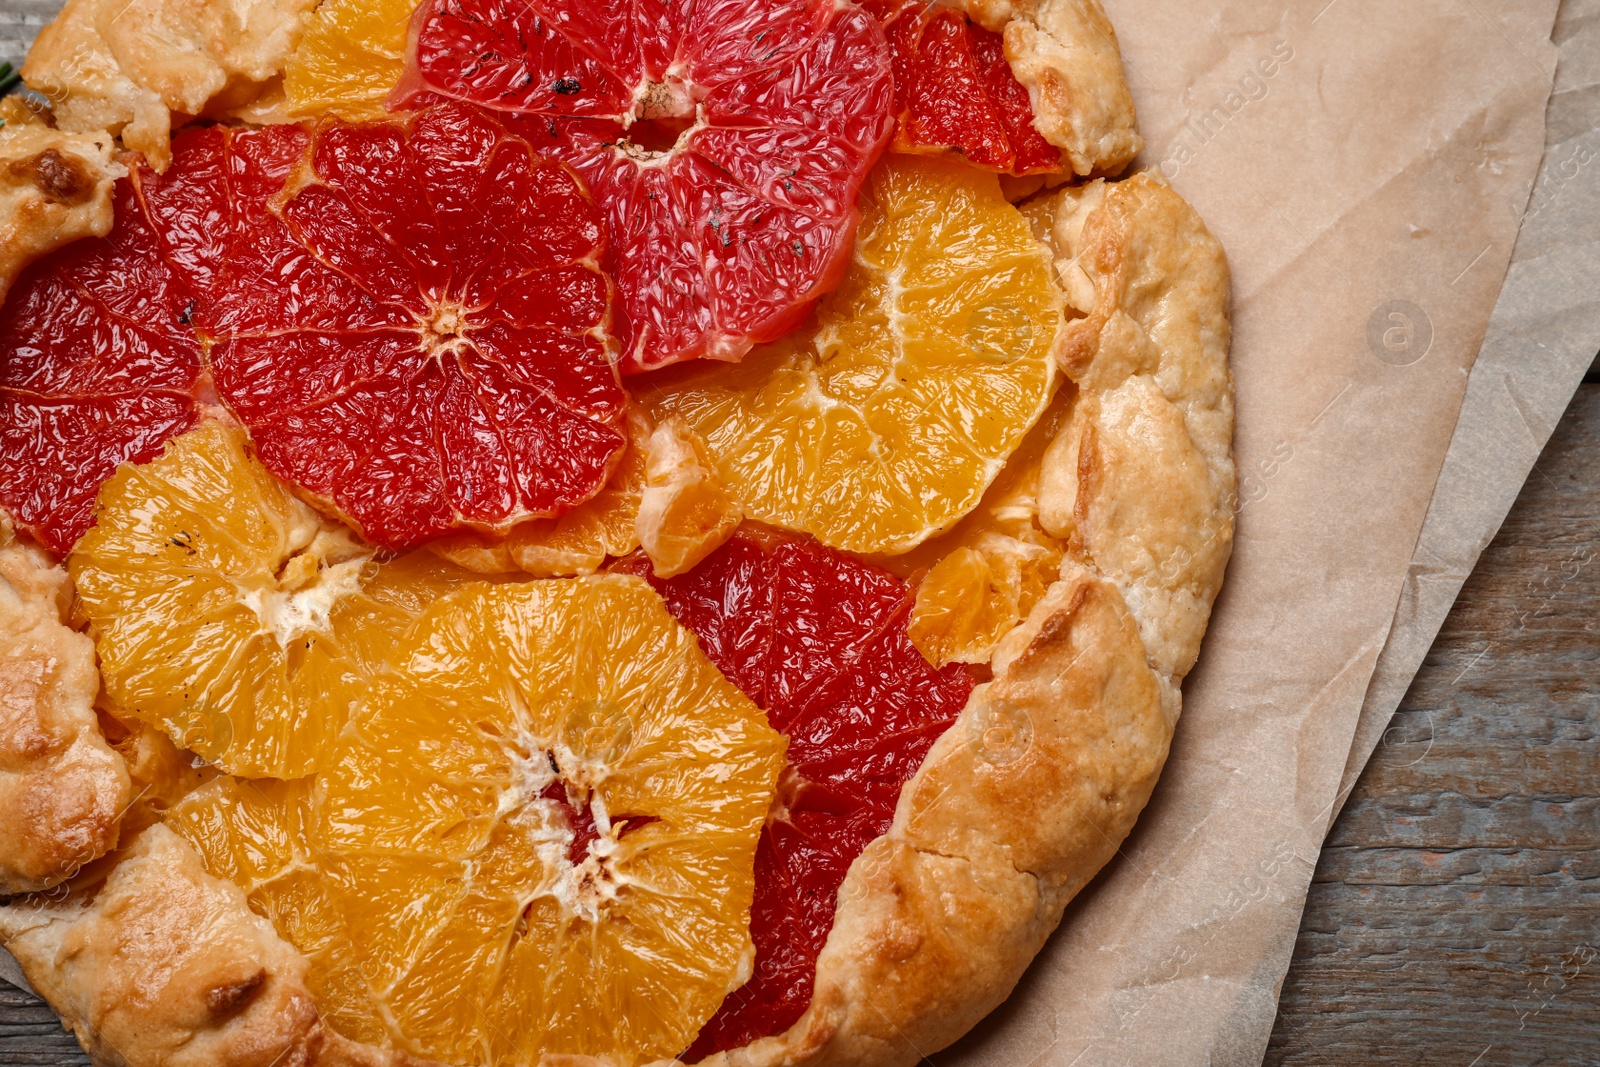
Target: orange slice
[[985, 575], [883, 423], [350, 55], [257, 834], [232, 616], [545, 825], [685, 511], [666, 496]]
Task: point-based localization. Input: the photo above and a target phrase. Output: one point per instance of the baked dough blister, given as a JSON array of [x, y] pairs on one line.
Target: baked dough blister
[[1017, 806]]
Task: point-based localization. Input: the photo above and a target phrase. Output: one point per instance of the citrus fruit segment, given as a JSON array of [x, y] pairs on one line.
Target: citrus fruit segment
[[229, 614], [666, 497], [818, 639], [983, 577], [953, 89], [726, 141], [414, 336], [685, 511], [884, 422], [97, 368], [578, 542], [257, 835], [544, 824], [349, 58]]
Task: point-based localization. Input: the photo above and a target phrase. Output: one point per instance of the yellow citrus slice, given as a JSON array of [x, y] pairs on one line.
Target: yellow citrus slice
[[882, 422], [232, 616], [985, 575], [544, 823], [256, 834], [686, 511], [350, 55], [666, 496]]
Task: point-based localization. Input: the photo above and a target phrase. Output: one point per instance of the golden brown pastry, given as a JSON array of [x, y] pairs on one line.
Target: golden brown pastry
[[1065, 52], [62, 788], [54, 187], [165, 964], [138, 68]]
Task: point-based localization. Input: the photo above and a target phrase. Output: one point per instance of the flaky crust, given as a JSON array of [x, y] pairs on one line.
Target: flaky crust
[[1140, 480], [55, 187], [62, 788], [131, 66], [1065, 53], [165, 964], [1040, 779]]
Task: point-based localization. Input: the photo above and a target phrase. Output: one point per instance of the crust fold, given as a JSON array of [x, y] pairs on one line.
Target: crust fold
[[62, 788], [1065, 53], [1140, 480], [165, 964], [55, 187], [131, 67]]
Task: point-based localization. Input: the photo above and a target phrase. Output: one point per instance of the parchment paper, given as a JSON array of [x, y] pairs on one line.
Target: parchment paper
[[1543, 334], [1366, 165]]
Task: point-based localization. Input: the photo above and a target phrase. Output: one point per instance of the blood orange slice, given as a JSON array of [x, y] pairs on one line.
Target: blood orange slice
[[953, 89], [818, 639], [97, 367], [726, 141], [413, 330]]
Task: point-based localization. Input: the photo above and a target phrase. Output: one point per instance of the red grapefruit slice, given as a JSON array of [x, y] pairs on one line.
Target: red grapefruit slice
[[98, 366], [726, 141], [412, 329], [953, 89], [817, 638]]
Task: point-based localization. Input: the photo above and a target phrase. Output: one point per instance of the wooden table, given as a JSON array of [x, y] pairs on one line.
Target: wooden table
[[1454, 918]]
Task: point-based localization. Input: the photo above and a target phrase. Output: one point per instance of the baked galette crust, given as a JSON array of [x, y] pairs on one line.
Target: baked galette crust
[[164, 964], [62, 788], [1065, 53], [130, 66], [1017, 806], [55, 187]]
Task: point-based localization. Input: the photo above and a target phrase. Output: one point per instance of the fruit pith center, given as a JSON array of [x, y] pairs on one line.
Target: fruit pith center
[[318, 572], [555, 798], [664, 115], [445, 328]]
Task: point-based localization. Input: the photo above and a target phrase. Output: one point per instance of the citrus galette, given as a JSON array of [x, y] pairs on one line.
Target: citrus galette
[[584, 533]]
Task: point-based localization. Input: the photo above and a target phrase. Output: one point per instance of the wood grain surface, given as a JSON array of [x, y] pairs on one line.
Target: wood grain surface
[[1454, 918]]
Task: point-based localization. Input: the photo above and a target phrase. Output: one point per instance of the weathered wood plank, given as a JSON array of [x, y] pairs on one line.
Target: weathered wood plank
[[31, 1035], [1454, 917], [20, 22]]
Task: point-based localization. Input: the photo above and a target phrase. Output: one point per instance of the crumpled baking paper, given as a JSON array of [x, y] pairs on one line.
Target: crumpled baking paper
[[1543, 335], [1366, 165]]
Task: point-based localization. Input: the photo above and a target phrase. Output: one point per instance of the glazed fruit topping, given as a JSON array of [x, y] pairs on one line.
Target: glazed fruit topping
[[725, 140], [818, 639], [954, 89]]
